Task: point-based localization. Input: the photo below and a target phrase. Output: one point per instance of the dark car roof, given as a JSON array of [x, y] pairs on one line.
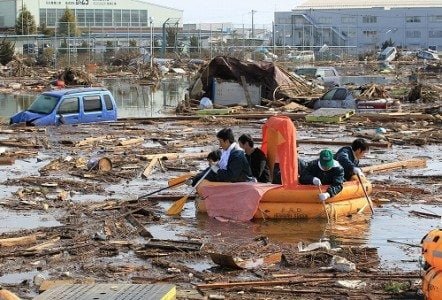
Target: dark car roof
[[62, 92]]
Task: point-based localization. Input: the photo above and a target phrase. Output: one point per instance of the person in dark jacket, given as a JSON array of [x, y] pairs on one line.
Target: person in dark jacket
[[232, 166], [256, 158], [324, 170], [349, 157]]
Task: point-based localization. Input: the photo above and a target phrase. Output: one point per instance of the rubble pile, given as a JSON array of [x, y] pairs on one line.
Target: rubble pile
[[425, 93]]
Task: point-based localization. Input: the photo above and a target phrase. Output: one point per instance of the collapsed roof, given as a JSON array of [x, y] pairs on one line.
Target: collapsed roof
[[275, 82]]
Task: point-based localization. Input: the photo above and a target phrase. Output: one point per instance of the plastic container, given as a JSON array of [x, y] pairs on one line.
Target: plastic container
[[432, 284], [432, 249]]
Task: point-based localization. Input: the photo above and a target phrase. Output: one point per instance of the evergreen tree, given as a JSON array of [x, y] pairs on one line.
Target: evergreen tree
[[43, 29], [387, 43], [67, 25], [25, 23], [6, 51], [193, 44]]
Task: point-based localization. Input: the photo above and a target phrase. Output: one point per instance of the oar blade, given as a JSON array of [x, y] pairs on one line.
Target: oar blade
[[178, 180], [177, 206]]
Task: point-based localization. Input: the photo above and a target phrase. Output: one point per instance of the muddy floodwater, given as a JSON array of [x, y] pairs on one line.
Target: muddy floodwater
[[133, 100], [48, 190]]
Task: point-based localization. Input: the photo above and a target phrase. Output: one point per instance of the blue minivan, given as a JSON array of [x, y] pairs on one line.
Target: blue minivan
[[69, 106]]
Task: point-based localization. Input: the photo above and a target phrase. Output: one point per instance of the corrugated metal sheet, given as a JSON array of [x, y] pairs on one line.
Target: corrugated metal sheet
[[110, 292], [337, 4]]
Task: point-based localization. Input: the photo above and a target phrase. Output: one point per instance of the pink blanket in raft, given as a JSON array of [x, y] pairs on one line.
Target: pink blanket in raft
[[237, 201]]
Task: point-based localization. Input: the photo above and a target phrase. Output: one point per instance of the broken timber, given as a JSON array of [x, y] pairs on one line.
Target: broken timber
[[404, 164]]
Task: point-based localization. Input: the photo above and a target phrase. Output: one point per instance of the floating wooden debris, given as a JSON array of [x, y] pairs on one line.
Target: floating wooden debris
[[227, 260], [329, 115]]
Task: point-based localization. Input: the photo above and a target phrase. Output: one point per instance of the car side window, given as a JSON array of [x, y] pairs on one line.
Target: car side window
[[69, 106], [320, 73], [340, 94], [92, 103], [108, 102], [329, 95], [329, 73]]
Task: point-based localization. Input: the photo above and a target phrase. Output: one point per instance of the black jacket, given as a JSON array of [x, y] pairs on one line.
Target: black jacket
[[334, 177], [346, 158], [258, 164], [238, 170]]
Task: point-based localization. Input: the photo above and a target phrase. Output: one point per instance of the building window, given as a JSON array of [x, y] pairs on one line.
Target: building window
[[349, 33], [435, 34], [143, 17], [135, 18], [125, 17], [435, 19], [51, 17], [117, 17], [324, 20], [107, 16], [413, 34], [370, 33], [413, 19], [369, 19], [90, 17], [42, 17], [81, 17], [99, 18], [348, 20]]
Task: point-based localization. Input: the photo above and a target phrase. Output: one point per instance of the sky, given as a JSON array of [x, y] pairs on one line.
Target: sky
[[235, 11]]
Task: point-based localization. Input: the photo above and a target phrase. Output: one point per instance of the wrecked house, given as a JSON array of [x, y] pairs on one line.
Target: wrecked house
[[224, 78]]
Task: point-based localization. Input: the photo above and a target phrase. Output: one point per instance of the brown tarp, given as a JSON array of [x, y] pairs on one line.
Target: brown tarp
[[265, 74]]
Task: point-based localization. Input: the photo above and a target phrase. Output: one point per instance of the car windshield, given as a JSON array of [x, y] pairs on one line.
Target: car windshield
[[44, 104], [310, 72]]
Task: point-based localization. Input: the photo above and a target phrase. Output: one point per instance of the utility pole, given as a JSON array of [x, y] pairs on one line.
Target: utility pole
[[22, 23], [253, 25]]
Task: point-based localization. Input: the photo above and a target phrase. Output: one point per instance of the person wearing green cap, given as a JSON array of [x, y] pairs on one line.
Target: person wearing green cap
[[324, 170]]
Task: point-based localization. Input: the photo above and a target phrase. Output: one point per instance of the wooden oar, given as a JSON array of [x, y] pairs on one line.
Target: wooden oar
[[180, 179], [170, 184], [325, 207], [365, 193], [178, 205]]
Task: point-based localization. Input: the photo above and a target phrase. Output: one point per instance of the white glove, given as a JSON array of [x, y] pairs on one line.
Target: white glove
[[358, 171], [214, 168], [317, 181], [189, 181], [323, 196]]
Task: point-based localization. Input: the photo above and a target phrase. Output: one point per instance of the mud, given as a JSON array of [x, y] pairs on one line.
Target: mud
[[81, 232]]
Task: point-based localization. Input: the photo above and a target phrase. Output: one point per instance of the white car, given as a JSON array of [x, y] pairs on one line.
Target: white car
[[428, 54]]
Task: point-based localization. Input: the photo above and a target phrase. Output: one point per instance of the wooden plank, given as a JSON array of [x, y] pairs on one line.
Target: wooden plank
[[7, 160], [91, 140], [246, 91], [47, 284], [131, 142], [44, 245], [149, 168], [175, 155], [140, 228], [413, 163], [298, 279], [18, 241]]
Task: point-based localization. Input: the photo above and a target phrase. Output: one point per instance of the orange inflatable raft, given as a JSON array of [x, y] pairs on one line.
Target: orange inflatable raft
[[302, 202]]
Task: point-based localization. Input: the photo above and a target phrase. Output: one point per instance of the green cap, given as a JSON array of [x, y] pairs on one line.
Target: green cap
[[326, 159]]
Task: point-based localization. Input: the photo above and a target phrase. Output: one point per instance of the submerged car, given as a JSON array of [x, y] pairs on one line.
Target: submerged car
[[326, 76], [344, 98], [69, 106], [428, 55]]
